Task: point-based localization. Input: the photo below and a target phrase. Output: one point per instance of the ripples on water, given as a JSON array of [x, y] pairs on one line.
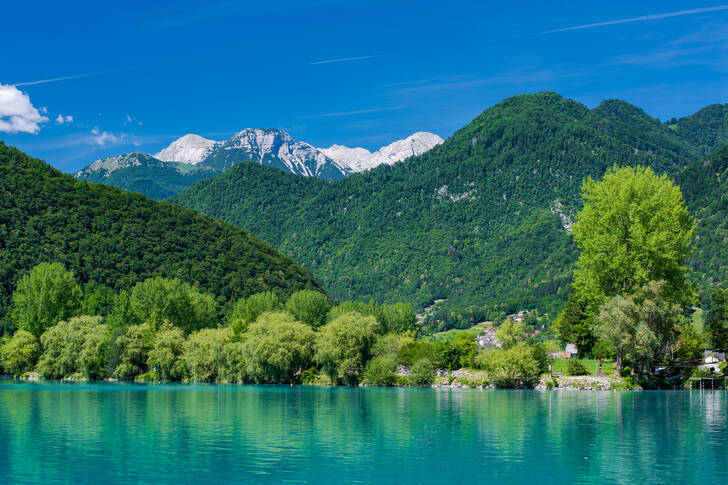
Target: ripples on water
[[176, 434]]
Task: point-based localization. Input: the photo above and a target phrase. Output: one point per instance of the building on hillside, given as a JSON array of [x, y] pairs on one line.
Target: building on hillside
[[488, 340], [571, 348]]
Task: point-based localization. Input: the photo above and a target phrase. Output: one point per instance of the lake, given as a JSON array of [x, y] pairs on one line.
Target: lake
[[174, 434]]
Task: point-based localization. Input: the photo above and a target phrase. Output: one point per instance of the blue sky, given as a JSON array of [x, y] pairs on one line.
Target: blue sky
[[139, 74]]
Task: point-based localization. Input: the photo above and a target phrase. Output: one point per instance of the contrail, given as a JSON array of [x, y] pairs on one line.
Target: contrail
[[643, 18], [344, 59], [52, 80]]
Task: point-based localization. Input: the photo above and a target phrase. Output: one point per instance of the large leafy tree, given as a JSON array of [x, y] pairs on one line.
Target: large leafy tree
[[45, 296], [309, 307], [634, 228], [344, 346]]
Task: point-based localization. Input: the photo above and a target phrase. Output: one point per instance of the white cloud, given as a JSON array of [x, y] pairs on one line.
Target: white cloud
[[128, 119], [103, 138], [17, 113], [60, 119]]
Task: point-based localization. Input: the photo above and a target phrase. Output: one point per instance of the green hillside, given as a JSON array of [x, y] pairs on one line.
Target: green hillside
[[118, 238], [478, 220], [705, 186], [706, 130], [147, 175]]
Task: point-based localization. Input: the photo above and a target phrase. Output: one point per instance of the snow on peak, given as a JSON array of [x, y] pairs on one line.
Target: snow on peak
[[361, 159], [190, 149]]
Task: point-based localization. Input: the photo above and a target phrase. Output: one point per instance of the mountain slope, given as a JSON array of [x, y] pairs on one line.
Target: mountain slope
[[706, 130], [360, 159], [478, 219], [705, 186], [118, 238], [138, 172]]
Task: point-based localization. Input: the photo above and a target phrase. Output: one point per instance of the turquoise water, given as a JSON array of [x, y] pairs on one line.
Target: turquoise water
[[176, 434]]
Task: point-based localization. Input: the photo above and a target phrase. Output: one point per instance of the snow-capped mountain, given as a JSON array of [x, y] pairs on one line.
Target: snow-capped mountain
[[361, 159], [275, 148], [190, 149], [192, 158]]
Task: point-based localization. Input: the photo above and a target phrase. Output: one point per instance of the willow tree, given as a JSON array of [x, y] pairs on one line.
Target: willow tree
[[634, 229]]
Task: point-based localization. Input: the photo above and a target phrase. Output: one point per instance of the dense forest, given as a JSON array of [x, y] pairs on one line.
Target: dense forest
[[115, 239], [480, 220]]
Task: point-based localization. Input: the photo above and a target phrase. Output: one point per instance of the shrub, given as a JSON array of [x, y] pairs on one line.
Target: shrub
[[422, 373], [20, 353], [380, 371], [511, 368], [576, 368]]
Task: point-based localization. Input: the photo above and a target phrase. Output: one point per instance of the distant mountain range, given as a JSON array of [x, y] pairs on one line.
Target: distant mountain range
[[192, 158], [480, 220]]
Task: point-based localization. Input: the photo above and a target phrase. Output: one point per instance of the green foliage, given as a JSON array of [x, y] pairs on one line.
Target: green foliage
[[118, 238], [643, 327], [397, 317], [689, 344], [515, 367], [540, 353], [422, 373], [204, 354], [44, 297], [716, 322], [19, 353], [277, 348], [344, 346], [73, 346], [511, 333], [247, 310], [634, 228], [175, 301], [576, 368], [98, 299], [309, 307], [574, 325], [380, 371], [166, 350], [133, 346]]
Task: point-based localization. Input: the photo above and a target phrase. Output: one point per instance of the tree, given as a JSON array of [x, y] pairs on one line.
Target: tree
[[689, 344], [574, 325], [634, 228], [511, 333], [204, 354], [641, 326], [514, 367], [246, 310], [309, 307], [716, 322], [175, 301], [66, 342], [19, 354], [277, 348], [44, 297], [344, 346], [397, 318], [133, 346], [164, 356]]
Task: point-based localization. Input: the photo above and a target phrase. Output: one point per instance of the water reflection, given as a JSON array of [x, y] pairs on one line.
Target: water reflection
[[104, 433]]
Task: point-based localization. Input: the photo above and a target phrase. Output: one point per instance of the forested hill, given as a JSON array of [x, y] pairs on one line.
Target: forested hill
[[118, 238], [705, 186], [478, 220]]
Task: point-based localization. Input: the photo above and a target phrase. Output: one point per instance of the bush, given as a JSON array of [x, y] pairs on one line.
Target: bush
[[511, 368], [20, 353], [380, 371], [576, 368], [422, 373]]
